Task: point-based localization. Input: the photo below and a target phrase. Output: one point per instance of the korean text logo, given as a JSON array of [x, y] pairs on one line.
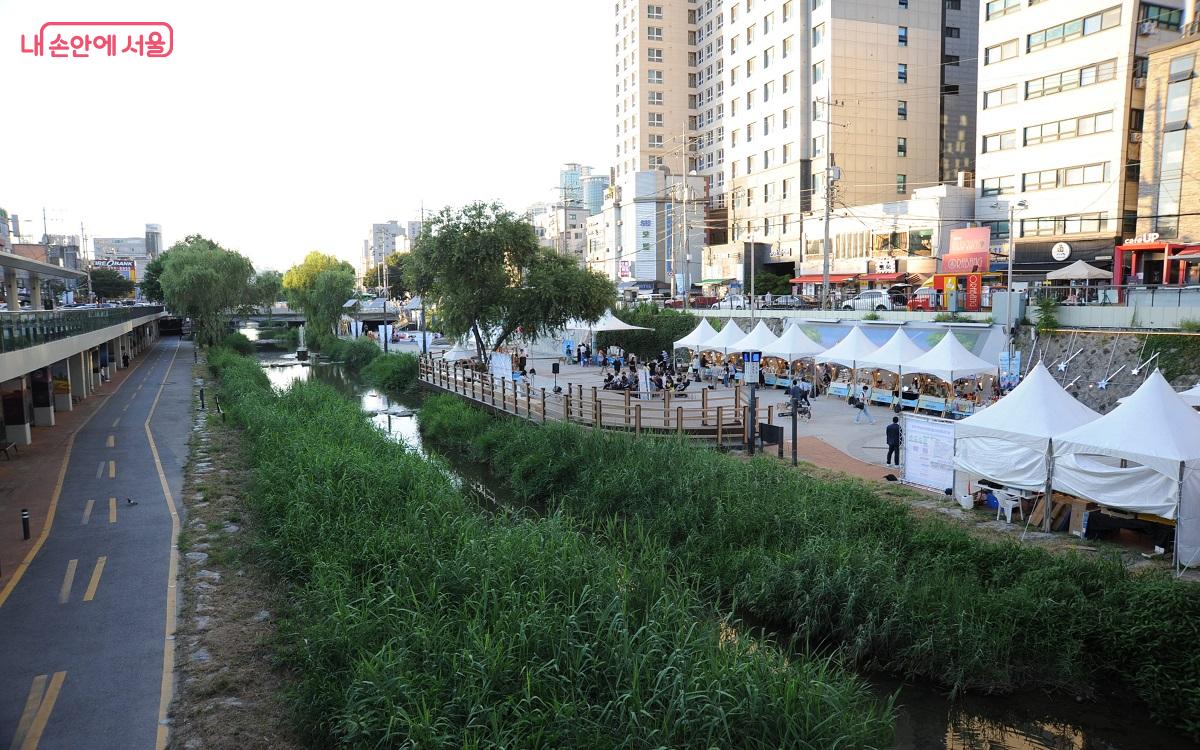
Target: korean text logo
[[73, 39]]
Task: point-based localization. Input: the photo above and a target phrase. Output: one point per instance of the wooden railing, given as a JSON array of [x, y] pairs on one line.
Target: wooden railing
[[722, 415]]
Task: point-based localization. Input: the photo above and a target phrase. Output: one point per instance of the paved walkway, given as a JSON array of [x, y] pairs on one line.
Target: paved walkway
[[86, 628]]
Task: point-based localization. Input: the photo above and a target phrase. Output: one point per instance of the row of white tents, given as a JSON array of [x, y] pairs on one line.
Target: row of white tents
[[948, 359], [1142, 457]]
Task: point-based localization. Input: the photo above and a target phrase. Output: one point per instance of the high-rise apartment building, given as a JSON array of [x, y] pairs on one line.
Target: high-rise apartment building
[[1062, 96], [383, 240], [414, 231], [570, 184]]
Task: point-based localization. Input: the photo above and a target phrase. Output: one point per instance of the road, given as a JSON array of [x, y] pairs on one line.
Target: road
[[86, 634]]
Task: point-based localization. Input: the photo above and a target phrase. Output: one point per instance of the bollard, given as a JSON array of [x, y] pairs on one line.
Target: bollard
[[25, 524], [794, 403], [202, 398]]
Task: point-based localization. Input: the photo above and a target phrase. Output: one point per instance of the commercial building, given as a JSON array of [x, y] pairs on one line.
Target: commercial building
[[570, 183], [127, 256], [1060, 125], [383, 240], [593, 192], [563, 228], [1169, 194], [414, 231]]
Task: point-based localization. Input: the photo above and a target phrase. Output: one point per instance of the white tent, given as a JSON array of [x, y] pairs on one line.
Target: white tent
[[950, 360], [793, 344], [1143, 457], [1010, 441], [758, 340], [458, 351], [1078, 271], [895, 354], [851, 351], [726, 340], [697, 337], [607, 322], [1191, 396]]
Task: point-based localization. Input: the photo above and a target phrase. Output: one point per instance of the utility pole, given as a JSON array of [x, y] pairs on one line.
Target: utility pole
[[830, 176], [424, 328], [687, 248], [387, 290]]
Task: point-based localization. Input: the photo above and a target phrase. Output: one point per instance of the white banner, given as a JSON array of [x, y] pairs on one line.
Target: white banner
[[928, 448], [501, 365]]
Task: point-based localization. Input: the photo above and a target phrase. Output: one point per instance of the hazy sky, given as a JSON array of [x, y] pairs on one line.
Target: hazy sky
[[277, 128]]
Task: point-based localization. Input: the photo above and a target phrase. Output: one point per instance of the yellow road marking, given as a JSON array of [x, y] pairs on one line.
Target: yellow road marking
[[31, 706], [34, 734], [116, 421], [111, 442], [95, 580], [168, 672], [64, 592], [87, 511], [112, 469], [112, 510]]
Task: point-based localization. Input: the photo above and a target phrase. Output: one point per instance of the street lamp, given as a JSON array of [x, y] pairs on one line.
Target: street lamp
[[1009, 321]]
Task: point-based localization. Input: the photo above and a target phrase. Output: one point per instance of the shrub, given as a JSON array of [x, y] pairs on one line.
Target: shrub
[[238, 343], [1189, 326], [1047, 314], [393, 372], [871, 316], [415, 620], [355, 354], [947, 317], [834, 563]]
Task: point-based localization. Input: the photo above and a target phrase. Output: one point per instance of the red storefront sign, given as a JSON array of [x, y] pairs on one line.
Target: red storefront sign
[[974, 292], [969, 251]]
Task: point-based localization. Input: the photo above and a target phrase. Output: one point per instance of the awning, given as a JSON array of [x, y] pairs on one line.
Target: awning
[[879, 276], [714, 281], [834, 278], [1191, 252]]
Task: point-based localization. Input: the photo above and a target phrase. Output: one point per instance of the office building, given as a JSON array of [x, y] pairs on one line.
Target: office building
[[127, 256], [593, 192], [383, 240], [154, 240], [1062, 97], [570, 184], [413, 231]]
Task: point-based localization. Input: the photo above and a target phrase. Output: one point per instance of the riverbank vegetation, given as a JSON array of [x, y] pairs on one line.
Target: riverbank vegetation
[[417, 620], [394, 373], [839, 567]]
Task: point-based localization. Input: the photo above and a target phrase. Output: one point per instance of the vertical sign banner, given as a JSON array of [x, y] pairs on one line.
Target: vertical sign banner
[[928, 449], [974, 292], [1010, 371]]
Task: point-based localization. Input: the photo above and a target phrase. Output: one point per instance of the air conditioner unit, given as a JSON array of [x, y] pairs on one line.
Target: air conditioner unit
[[1135, 137], [1146, 28], [1139, 83]]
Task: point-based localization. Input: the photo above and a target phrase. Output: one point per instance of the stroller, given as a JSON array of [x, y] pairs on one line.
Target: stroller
[[803, 411]]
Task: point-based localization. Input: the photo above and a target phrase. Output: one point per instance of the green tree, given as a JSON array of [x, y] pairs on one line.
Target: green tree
[[151, 282], [483, 269], [399, 275], [108, 284], [267, 290], [204, 281], [319, 286], [774, 283]]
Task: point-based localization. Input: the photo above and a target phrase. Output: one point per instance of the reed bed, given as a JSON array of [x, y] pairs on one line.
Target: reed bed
[[414, 620], [842, 568]]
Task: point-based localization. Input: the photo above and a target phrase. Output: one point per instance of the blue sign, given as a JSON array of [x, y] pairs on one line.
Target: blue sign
[[646, 223], [752, 356]]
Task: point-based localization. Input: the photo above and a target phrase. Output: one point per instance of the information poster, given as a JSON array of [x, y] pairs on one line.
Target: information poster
[[928, 449], [501, 366]]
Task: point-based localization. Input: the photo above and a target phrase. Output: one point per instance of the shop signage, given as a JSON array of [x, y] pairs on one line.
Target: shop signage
[[972, 262], [625, 269], [972, 240], [974, 292], [1149, 238], [1060, 251]]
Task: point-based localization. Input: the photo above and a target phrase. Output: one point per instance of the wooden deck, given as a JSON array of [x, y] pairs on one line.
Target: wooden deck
[[718, 415]]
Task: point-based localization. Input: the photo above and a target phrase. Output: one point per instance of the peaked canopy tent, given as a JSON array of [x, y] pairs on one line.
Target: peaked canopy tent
[[895, 354], [607, 322], [1011, 441], [458, 352], [758, 340], [699, 335], [950, 360], [1191, 396], [726, 340], [1143, 457], [1078, 271], [854, 349], [793, 344]]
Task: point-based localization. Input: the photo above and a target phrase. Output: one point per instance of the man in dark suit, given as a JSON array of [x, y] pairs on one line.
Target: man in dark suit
[[893, 441]]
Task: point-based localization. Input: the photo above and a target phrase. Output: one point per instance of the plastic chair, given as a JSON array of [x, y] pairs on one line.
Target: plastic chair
[[1006, 504]]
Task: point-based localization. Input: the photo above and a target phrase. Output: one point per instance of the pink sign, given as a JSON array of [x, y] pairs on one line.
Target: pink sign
[[968, 251], [67, 39]]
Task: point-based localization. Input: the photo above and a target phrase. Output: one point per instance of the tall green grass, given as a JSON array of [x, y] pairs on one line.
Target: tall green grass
[[355, 354], [839, 566], [417, 621], [393, 372]]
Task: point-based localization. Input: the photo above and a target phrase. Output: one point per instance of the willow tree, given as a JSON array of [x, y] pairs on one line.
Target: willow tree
[[484, 270], [204, 281], [319, 286]]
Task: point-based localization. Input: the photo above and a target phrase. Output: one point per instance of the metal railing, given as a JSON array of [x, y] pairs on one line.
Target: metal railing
[[21, 330], [1141, 295]]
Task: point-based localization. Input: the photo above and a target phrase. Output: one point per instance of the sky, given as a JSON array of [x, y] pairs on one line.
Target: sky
[[276, 128]]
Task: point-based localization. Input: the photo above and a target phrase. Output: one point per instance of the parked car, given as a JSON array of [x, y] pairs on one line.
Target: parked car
[[792, 302], [732, 302], [872, 299], [697, 301], [925, 298]]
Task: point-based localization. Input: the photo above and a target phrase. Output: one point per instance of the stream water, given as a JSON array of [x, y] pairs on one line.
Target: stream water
[[928, 719]]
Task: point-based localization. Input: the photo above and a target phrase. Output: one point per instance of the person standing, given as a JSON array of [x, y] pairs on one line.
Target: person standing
[[862, 407], [805, 390], [893, 441]]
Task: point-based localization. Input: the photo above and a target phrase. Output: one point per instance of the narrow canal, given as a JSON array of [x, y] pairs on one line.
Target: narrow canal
[[927, 719]]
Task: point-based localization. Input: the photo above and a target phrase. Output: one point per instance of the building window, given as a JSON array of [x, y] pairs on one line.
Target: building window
[[1182, 68], [951, 32], [1000, 229], [787, 11], [768, 56], [655, 97], [787, 82], [903, 3], [818, 72], [950, 89], [817, 4], [768, 123], [654, 55], [1170, 19], [901, 184], [1071, 79], [902, 72], [768, 21], [1049, 179], [901, 147], [902, 36], [787, 116], [654, 76], [818, 34], [1170, 184], [1000, 97], [768, 157], [787, 47], [818, 146], [997, 8], [1076, 29], [787, 188], [818, 111], [992, 186], [656, 141], [654, 11], [654, 33], [656, 119], [1072, 127], [901, 109], [1000, 52], [1179, 94], [655, 162], [750, 133], [950, 61], [749, 35], [787, 154], [999, 141]]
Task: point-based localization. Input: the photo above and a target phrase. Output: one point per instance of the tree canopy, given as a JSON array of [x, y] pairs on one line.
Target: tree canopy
[[151, 282], [108, 284], [267, 288], [399, 275], [483, 268], [203, 281], [319, 286]]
